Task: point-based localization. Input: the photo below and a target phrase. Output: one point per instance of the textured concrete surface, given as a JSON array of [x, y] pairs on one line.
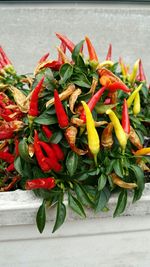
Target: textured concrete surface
[[28, 31]]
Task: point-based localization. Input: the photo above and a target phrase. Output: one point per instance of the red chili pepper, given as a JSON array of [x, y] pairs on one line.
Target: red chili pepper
[[91, 50], [42, 160], [56, 148], [4, 57], [92, 102], [43, 58], [60, 111], [118, 86], [125, 118], [142, 76], [10, 168], [33, 109], [55, 65], [109, 53], [45, 183], [6, 134], [69, 44], [6, 156], [51, 157]]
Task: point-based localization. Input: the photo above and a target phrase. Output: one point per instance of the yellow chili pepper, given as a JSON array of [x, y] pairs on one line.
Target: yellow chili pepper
[[137, 104], [132, 76], [132, 96], [93, 138], [121, 136], [142, 151]]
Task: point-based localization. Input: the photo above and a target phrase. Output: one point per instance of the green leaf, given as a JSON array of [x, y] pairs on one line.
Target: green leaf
[[60, 216], [23, 151], [72, 162], [110, 167], [46, 119], [83, 195], [75, 205], [121, 204], [118, 168], [76, 51], [41, 217], [56, 137], [139, 176], [102, 181], [18, 165], [66, 72], [145, 90], [102, 198], [101, 108]]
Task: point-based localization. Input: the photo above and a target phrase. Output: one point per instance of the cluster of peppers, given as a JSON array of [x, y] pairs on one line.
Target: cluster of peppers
[[74, 126]]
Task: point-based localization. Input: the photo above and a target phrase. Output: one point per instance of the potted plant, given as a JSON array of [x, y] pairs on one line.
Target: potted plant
[[75, 132]]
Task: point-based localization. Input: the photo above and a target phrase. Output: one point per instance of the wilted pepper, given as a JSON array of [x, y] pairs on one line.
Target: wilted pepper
[[93, 138], [134, 139], [118, 181], [132, 96], [60, 111], [121, 136], [33, 109], [44, 183], [136, 104], [73, 98], [70, 134], [125, 118], [107, 138]]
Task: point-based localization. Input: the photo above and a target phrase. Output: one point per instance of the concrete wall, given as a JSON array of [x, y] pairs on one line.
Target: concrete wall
[[28, 31]]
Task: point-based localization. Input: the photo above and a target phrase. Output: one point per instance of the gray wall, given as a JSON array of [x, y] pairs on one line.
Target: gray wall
[[28, 31]]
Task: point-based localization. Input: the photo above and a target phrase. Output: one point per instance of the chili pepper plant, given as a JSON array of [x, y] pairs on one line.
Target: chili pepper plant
[[75, 129]]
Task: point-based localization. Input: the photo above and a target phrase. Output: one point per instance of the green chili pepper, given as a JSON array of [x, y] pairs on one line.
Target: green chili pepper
[[93, 138]]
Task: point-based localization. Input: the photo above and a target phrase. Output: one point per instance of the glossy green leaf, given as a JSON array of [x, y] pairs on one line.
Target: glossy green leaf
[[102, 199], [76, 51], [41, 217], [83, 196], [121, 203], [75, 205], [23, 150], [60, 216], [118, 168], [56, 137], [18, 165], [46, 119], [139, 176], [72, 162], [66, 71], [102, 181]]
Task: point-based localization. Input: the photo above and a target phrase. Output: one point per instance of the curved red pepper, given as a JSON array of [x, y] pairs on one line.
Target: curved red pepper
[[118, 86], [92, 102], [45, 183], [69, 44], [51, 157], [42, 160], [33, 109], [60, 111], [6, 156], [43, 58], [56, 148]]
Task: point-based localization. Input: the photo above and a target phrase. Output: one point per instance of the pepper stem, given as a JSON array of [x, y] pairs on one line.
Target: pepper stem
[[95, 159]]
